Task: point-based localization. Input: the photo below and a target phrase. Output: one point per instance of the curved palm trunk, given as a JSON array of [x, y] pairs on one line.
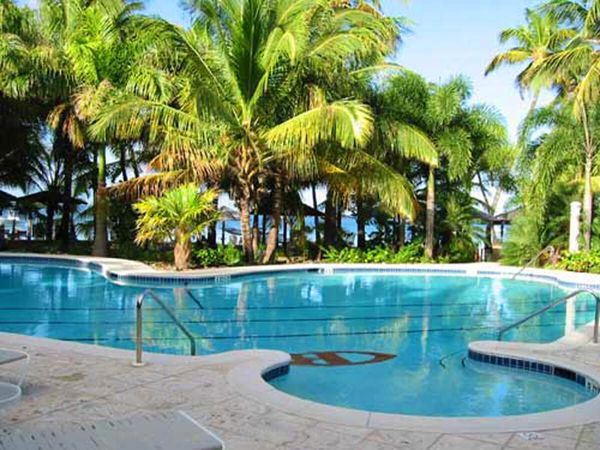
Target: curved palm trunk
[[276, 219], [101, 208], [183, 250], [588, 201], [430, 213]]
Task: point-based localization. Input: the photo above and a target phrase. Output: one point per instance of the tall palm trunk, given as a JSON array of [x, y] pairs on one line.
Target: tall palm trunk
[[430, 213], [212, 229], [133, 162], [255, 231], [401, 234], [183, 250], [123, 161], [276, 219], [101, 207], [330, 231], [316, 215], [50, 211], [68, 153], [360, 221], [588, 199], [244, 207]]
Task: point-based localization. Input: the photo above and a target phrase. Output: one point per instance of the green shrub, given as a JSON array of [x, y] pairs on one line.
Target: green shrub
[[228, 255], [232, 256], [580, 262], [410, 253]]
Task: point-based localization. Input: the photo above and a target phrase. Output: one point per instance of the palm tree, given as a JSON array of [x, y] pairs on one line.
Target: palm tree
[[208, 105], [574, 68], [537, 39], [181, 213], [62, 56]]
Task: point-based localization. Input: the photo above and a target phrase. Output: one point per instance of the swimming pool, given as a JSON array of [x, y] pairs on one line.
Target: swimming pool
[[375, 341]]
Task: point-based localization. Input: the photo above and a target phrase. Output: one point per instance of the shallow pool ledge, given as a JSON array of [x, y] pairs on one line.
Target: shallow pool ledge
[[573, 355]]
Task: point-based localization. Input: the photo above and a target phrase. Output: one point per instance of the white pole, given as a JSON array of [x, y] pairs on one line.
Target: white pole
[[574, 226]]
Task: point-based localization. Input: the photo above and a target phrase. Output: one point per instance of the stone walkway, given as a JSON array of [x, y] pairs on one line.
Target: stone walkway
[[71, 383]]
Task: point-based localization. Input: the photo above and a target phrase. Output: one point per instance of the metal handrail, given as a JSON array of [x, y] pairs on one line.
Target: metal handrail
[[139, 319], [555, 303], [532, 260], [194, 298]]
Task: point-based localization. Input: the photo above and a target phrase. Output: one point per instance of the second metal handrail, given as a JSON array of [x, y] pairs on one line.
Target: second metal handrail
[[555, 303], [170, 313], [532, 260]]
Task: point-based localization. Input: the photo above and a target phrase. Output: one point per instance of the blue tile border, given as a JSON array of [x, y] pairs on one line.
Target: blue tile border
[[535, 366], [276, 372]]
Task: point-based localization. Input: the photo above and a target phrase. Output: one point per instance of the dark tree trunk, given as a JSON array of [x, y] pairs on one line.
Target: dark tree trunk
[[401, 234], [316, 215], [275, 220], [123, 161], [133, 162], [360, 222], [255, 231], [101, 208], [330, 231], [285, 232], [212, 228], [50, 210]]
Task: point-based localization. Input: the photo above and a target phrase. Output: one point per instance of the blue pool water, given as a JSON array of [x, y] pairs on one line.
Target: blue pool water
[[422, 325]]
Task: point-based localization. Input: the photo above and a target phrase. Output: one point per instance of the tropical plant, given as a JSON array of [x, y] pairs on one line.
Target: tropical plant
[[538, 38], [61, 56], [573, 69], [179, 214]]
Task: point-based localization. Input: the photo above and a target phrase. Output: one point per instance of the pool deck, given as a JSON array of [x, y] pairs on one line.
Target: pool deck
[[71, 383]]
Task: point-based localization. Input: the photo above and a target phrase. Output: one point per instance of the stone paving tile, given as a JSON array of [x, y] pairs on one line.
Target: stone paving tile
[[591, 433], [545, 442], [368, 444], [492, 438], [320, 437], [237, 442], [586, 446], [568, 433], [29, 408], [271, 429], [404, 439], [448, 441], [151, 399]]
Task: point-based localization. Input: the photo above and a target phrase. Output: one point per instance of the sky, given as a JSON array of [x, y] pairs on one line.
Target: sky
[[448, 37]]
